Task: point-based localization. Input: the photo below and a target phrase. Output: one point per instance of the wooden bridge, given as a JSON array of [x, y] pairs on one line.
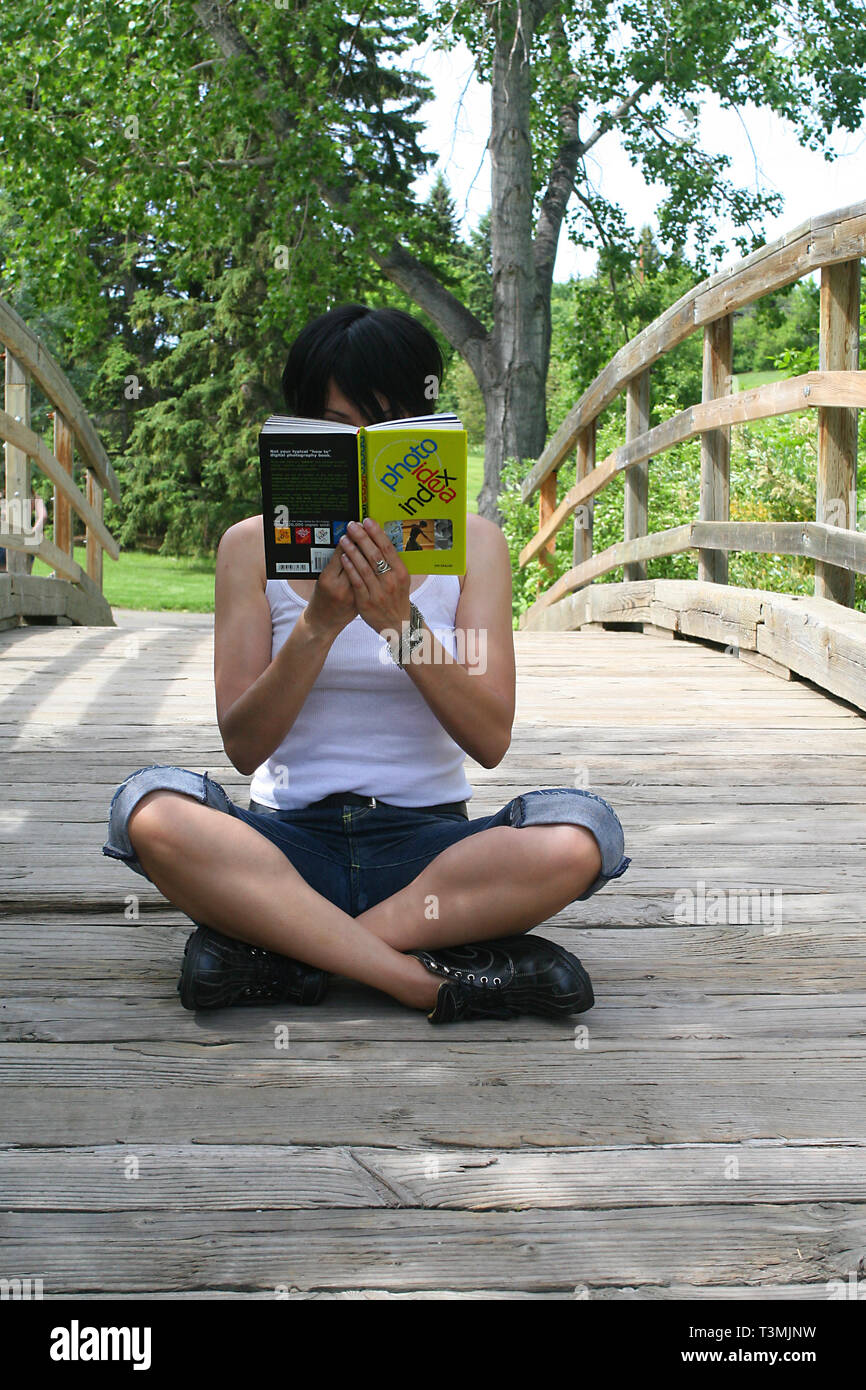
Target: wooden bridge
[[70, 594], [698, 1134]]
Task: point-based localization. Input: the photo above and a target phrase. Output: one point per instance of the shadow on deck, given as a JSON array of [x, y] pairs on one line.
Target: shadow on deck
[[699, 1134]]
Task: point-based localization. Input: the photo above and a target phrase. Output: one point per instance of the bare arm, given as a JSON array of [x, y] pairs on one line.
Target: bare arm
[[472, 698], [259, 699]]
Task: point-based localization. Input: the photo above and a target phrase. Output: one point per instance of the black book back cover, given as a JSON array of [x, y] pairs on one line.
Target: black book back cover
[[309, 494]]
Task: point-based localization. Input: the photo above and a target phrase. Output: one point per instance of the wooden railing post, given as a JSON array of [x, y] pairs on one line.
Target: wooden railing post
[[18, 485], [581, 547], [62, 509], [839, 351], [715, 503], [637, 408], [547, 505], [94, 545]]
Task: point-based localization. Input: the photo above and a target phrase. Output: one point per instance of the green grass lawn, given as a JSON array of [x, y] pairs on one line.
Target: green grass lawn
[[142, 580], [744, 381]]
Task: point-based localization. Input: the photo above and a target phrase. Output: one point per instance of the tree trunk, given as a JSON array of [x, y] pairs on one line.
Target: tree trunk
[[518, 350], [510, 362]]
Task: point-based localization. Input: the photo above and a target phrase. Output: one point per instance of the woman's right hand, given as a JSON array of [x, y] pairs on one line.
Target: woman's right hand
[[332, 606]]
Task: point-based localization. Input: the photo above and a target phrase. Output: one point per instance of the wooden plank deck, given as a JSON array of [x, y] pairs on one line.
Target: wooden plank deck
[[699, 1134]]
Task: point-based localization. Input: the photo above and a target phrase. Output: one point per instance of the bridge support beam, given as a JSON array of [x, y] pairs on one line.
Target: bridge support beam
[[836, 501], [581, 546], [17, 404], [63, 451], [637, 412], [715, 503], [94, 549]]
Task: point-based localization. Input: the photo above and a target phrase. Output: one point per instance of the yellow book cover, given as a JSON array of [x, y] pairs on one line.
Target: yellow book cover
[[408, 475], [413, 482]]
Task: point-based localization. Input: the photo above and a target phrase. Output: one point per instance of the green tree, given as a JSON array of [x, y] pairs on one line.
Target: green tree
[[785, 321], [257, 161], [563, 76], [175, 220]]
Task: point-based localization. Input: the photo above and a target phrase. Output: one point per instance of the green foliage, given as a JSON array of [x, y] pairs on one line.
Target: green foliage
[[174, 208], [174, 225], [593, 318], [773, 462], [469, 402], [477, 272], [646, 69], [773, 478], [779, 331]]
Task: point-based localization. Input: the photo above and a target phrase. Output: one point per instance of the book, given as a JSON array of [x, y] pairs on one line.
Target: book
[[318, 475]]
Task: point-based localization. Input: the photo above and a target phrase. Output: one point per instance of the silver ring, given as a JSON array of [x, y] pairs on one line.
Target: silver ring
[[382, 566]]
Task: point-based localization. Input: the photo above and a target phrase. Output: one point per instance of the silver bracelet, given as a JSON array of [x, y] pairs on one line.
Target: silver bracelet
[[406, 644]]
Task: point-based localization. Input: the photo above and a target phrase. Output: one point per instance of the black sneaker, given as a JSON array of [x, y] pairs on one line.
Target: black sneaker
[[219, 971], [505, 978]]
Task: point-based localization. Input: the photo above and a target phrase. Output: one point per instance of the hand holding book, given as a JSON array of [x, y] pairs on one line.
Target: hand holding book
[[381, 597], [332, 606]]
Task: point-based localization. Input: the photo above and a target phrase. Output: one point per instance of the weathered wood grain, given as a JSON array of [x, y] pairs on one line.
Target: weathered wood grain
[[239, 1177], [842, 392], [17, 485], [649, 1009], [636, 493], [846, 548], [817, 638], [839, 349], [687, 1137], [409, 1250], [842, 1287], [715, 445]]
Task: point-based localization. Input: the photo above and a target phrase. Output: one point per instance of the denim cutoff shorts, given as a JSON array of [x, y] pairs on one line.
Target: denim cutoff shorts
[[356, 856]]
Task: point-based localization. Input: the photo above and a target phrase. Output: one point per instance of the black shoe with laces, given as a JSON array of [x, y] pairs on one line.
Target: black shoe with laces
[[505, 978], [219, 971]]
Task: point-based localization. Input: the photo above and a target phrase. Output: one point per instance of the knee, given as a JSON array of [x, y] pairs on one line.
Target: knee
[[156, 822], [576, 854], [581, 811], [589, 855]]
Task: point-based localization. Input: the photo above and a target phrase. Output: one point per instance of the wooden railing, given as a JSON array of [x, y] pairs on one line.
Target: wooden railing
[[71, 594], [833, 244]]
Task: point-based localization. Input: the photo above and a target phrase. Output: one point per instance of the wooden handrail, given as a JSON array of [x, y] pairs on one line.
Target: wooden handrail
[[23, 595], [834, 243], [833, 544], [30, 443], [827, 240], [760, 403], [34, 356], [55, 557]]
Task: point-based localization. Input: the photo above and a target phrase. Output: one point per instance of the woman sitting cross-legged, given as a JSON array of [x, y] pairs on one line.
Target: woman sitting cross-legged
[[355, 855]]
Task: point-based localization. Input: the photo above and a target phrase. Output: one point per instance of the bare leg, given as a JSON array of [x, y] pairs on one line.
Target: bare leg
[[219, 870], [500, 882]]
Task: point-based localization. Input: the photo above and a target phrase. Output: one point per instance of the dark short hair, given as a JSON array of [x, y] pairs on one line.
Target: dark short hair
[[364, 350]]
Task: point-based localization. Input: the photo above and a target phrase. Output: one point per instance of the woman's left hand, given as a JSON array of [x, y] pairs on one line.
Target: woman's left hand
[[381, 599]]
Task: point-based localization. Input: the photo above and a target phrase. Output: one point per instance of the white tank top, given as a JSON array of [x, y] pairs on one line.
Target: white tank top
[[364, 727]]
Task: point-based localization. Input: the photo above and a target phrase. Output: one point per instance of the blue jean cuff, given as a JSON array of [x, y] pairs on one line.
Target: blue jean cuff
[[157, 777], [575, 806]]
